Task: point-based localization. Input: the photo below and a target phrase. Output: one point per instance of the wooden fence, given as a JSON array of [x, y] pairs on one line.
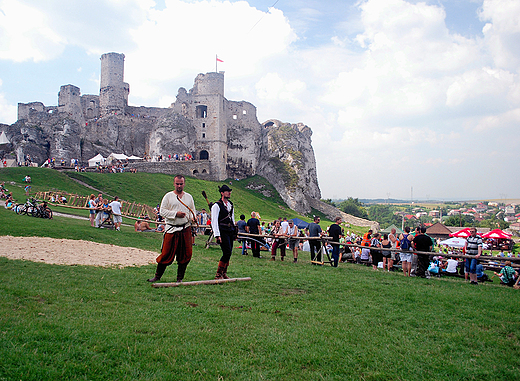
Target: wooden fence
[[132, 209]]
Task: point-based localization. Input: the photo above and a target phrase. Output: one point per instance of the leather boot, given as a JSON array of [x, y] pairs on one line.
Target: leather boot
[[220, 270], [158, 273], [181, 270], [224, 273]]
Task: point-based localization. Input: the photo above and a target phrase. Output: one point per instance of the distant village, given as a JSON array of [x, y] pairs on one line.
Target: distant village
[[483, 214]]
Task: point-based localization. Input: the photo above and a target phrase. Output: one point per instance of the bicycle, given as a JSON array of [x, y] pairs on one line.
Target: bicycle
[[28, 207], [42, 211]]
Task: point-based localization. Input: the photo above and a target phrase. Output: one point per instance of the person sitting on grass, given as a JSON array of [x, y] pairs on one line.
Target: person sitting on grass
[[142, 226], [507, 275], [160, 228], [451, 266]]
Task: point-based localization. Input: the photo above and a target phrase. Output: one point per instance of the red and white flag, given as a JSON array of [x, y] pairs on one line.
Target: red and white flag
[[219, 60]]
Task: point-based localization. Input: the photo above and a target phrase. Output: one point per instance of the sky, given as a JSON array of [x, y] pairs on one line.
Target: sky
[[406, 99]]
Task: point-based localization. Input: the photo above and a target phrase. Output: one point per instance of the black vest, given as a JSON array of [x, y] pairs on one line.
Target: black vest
[[225, 223]]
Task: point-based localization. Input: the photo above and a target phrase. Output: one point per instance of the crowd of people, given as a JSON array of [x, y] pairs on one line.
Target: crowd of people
[[411, 253]]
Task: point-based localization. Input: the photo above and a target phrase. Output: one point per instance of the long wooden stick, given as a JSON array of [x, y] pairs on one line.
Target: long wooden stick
[[197, 282]]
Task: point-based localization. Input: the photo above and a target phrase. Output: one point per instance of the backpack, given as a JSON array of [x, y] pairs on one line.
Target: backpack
[[405, 242]]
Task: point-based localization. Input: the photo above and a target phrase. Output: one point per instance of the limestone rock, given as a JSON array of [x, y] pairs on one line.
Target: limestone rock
[[287, 161]]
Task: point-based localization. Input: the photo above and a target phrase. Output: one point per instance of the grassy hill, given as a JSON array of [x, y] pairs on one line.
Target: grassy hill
[[149, 189]]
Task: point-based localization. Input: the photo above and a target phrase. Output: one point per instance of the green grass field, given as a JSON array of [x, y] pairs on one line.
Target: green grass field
[[290, 322]]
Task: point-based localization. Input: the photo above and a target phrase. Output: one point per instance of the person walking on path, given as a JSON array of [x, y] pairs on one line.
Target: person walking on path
[[178, 211], [223, 224], [473, 247]]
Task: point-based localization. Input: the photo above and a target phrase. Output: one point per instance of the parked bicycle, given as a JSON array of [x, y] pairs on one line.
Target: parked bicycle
[[42, 210], [33, 208], [28, 207]]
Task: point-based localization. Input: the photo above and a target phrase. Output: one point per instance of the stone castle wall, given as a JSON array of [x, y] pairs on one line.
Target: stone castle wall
[[202, 169]]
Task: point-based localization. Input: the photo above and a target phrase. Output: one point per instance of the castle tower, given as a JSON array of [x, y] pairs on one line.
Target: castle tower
[[210, 120], [113, 91], [69, 101]]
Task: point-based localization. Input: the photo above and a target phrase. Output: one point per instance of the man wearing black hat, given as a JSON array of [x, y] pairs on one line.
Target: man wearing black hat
[[223, 225]]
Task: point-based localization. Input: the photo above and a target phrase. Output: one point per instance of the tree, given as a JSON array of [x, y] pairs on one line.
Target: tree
[[384, 214], [460, 220], [354, 207]]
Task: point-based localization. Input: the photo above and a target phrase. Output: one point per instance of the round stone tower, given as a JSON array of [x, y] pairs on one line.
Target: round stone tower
[[113, 91]]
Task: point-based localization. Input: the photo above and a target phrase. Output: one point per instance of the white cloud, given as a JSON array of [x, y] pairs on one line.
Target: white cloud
[[502, 33], [8, 112], [390, 88], [183, 39], [273, 88], [25, 33]]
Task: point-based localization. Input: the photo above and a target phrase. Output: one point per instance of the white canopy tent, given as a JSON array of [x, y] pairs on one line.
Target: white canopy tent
[[3, 138], [96, 160], [133, 157], [116, 156], [454, 242]]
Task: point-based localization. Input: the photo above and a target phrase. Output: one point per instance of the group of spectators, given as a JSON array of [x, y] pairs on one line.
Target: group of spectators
[[102, 211], [423, 264], [174, 157]]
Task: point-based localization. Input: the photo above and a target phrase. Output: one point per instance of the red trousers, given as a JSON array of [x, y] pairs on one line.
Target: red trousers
[[178, 244]]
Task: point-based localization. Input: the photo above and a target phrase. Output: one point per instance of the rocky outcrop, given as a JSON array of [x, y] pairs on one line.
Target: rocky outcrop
[[287, 161]]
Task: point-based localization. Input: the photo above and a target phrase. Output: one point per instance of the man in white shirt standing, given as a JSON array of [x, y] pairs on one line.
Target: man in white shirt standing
[[178, 211], [116, 212]]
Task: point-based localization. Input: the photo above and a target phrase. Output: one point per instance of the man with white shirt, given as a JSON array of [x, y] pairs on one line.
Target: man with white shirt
[[116, 212], [177, 209]]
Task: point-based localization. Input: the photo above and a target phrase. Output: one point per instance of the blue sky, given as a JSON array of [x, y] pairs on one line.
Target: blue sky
[[399, 94]]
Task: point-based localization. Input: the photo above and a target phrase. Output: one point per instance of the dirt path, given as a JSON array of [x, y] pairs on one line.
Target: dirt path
[[71, 252]]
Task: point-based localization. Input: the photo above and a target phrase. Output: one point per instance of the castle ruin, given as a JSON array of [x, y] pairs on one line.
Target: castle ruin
[[224, 137]]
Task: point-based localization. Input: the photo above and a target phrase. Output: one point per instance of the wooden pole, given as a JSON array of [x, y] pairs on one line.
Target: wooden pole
[[198, 282]]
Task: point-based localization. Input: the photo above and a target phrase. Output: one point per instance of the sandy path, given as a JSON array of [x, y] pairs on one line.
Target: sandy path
[[72, 252]]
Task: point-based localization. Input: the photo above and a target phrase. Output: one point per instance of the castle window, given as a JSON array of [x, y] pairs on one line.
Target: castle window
[[204, 171], [195, 172], [244, 112], [201, 111], [235, 116], [203, 135], [204, 155], [203, 125]]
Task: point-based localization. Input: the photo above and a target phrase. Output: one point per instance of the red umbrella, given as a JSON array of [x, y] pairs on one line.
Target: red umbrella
[[464, 233], [497, 234]]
